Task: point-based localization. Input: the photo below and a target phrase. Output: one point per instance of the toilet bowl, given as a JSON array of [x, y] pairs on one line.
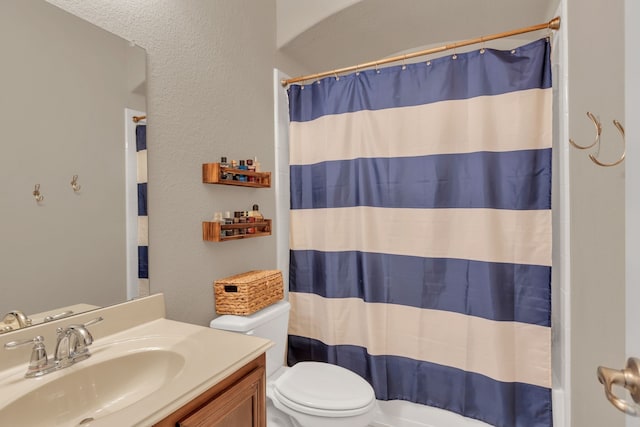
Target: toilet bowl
[[308, 394], [316, 394]]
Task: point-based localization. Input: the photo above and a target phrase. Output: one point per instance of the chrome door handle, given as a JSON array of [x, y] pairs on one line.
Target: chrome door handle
[[629, 378]]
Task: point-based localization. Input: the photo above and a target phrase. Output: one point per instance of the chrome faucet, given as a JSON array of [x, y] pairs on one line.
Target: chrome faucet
[[71, 347], [16, 316], [72, 344]]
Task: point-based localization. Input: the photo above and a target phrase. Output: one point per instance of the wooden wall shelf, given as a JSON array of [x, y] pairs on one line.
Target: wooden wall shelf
[[212, 231], [211, 174]]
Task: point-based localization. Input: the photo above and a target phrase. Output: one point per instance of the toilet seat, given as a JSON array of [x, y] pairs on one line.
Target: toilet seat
[[325, 390]]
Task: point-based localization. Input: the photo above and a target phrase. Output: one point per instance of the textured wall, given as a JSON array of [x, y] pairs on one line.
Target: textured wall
[[209, 93]]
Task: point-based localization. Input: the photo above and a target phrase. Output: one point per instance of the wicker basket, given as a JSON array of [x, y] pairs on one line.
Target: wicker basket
[[248, 292]]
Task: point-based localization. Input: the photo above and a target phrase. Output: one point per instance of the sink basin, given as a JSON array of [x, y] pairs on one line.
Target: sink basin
[[86, 392], [136, 376]]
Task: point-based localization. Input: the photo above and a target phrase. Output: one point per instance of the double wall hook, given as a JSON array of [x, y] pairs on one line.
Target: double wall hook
[[596, 140], [74, 184], [595, 160], [36, 194], [598, 126]]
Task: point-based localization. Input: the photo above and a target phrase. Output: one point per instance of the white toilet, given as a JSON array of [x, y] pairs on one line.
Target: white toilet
[[309, 394]]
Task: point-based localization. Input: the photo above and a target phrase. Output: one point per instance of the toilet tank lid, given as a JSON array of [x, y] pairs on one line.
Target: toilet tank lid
[[229, 322]]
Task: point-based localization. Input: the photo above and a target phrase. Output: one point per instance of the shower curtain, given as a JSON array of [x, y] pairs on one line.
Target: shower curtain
[[421, 231], [143, 218]]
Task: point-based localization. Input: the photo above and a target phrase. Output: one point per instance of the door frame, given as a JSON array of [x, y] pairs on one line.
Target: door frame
[[632, 185]]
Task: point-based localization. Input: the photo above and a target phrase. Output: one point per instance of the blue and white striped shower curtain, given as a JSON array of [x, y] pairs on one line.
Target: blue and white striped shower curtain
[[143, 217], [421, 231]]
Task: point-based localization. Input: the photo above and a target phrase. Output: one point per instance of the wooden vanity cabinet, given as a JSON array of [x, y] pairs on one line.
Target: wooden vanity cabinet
[[237, 401]]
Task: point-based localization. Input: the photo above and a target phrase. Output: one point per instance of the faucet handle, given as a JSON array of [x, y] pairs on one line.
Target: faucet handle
[[62, 330], [15, 344], [57, 316], [39, 363], [93, 321]]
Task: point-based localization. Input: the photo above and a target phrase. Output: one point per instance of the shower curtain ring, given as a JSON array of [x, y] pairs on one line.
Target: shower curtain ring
[[624, 150], [598, 126]]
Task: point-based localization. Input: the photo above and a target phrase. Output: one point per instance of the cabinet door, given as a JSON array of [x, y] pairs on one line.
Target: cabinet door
[[241, 405]]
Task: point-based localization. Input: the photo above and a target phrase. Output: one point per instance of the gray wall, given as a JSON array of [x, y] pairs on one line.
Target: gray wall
[[64, 90], [596, 84]]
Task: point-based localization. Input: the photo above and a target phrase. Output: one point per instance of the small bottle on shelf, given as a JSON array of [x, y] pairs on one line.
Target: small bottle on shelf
[[223, 164], [256, 165], [228, 220], [243, 167], [251, 168], [243, 220], [236, 220], [255, 213], [234, 165], [251, 220]]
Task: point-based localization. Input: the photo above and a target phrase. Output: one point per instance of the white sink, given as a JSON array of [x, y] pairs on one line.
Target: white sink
[[133, 378], [91, 391]]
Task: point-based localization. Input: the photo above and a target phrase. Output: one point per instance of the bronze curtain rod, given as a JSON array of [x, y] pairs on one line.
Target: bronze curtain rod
[[136, 119], [554, 24]]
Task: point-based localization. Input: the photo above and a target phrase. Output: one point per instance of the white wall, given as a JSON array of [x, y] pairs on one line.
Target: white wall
[[561, 271], [210, 94]]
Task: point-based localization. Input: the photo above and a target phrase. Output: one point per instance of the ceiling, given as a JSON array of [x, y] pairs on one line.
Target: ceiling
[[367, 30]]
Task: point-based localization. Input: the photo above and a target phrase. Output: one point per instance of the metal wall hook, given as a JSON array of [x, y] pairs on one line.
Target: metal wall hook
[[629, 378], [598, 126], [74, 184], [624, 150], [36, 193]]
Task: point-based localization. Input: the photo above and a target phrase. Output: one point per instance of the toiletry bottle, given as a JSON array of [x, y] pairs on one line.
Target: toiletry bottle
[[251, 219], [256, 165], [234, 165], [228, 220], [243, 167], [255, 213], [223, 164], [236, 220], [251, 168], [243, 220]]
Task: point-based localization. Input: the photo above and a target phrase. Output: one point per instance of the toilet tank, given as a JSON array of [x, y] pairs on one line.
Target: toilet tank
[[271, 323]]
